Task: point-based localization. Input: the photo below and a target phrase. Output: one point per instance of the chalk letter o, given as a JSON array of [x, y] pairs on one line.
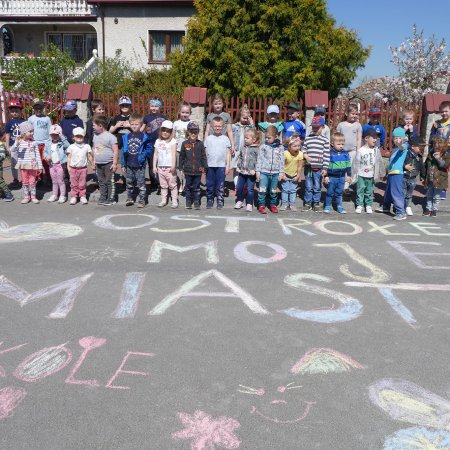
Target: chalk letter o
[[322, 226], [242, 254], [105, 222]]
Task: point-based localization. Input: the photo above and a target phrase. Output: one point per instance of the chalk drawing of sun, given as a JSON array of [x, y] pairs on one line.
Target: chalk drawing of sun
[[418, 438], [98, 255]]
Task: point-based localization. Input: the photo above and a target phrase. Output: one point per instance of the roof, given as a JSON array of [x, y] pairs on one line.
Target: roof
[[141, 2]]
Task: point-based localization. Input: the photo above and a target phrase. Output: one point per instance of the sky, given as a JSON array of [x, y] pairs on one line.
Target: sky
[[388, 22]]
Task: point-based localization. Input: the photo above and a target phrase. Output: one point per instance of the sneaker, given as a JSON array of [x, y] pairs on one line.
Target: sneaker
[[238, 205], [284, 207], [249, 207], [273, 209], [129, 202], [111, 201], [293, 208], [140, 204], [62, 199], [306, 207], [35, 200], [162, 203], [209, 204], [380, 209], [219, 205], [262, 210], [101, 202], [409, 211], [369, 210], [52, 198], [316, 208], [25, 200], [327, 210], [433, 213], [400, 217], [341, 210], [197, 206], [73, 201], [8, 197], [174, 205], [347, 192], [359, 208], [83, 200], [15, 183], [427, 212], [188, 205]]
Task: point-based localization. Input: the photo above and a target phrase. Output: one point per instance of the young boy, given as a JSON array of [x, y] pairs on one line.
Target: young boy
[[70, 120], [316, 152], [105, 152], [193, 163], [374, 117], [320, 111], [293, 124], [273, 115], [120, 124], [269, 170], [7, 195], [97, 107], [135, 149], [365, 165], [15, 108], [412, 168], [339, 171], [293, 163], [394, 187], [218, 154]]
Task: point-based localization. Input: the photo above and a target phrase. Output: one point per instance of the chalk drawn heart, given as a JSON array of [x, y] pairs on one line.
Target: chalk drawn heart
[[10, 397], [41, 231]]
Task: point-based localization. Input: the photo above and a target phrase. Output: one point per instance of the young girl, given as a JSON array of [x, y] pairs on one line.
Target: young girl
[[55, 156], [436, 176], [28, 161], [180, 135], [293, 163], [218, 104], [164, 161], [407, 122], [352, 131], [239, 129], [246, 168]]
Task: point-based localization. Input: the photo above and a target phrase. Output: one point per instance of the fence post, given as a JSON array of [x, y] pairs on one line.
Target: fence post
[[313, 99], [196, 97]]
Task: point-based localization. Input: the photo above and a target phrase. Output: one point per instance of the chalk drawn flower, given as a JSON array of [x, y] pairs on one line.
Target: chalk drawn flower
[[418, 438], [207, 432]]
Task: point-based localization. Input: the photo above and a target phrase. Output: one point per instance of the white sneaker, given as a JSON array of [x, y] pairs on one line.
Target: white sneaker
[[162, 203], [52, 198], [369, 210], [409, 211], [358, 209], [249, 207], [174, 205], [73, 201], [35, 200], [238, 205], [83, 201], [62, 199], [283, 207]]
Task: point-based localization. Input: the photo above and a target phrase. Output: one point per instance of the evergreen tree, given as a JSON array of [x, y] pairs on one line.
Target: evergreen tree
[[274, 48]]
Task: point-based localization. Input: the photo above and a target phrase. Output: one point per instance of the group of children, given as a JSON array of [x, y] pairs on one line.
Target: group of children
[[273, 154]]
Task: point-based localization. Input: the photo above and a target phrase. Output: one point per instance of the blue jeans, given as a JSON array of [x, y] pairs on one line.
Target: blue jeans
[[335, 189], [135, 176], [313, 186], [215, 184], [289, 191], [249, 181], [409, 185], [268, 182], [192, 189], [433, 197], [394, 194]]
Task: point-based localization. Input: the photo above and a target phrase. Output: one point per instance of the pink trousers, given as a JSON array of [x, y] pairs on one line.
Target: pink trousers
[[57, 175], [78, 181]]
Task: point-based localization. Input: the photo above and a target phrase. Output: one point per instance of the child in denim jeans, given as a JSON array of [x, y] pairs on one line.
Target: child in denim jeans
[[412, 168], [7, 195], [269, 170], [293, 163]]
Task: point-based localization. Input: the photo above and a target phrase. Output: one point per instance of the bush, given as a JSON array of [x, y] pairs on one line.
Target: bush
[[110, 74]]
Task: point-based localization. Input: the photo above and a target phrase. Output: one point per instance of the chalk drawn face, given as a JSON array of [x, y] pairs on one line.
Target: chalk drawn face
[[276, 405]]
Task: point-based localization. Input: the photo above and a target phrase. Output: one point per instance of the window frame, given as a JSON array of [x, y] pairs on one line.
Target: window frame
[[167, 42], [85, 34]]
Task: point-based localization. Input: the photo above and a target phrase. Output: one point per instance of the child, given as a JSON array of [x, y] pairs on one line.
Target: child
[[41, 124], [105, 152], [374, 123], [15, 108], [218, 104], [246, 168], [407, 122], [120, 124], [269, 170], [180, 135], [164, 162], [193, 163], [339, 172], [218, 153], [70, 120], [412, 168], [316, 152], [394, 187], [28, 161], [4, 189], [97, 107], [78, 154], [352, 131], [368, 167], [293, 124], [273, 115], [293, 163], [136, 148], [55, 156], [320, 111], [436, 176]]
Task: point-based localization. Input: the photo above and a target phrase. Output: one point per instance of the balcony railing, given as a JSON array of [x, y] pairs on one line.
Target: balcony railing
[[17, 8]]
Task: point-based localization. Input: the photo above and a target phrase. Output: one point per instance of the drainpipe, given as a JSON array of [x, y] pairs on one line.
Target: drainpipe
[[102, 18]]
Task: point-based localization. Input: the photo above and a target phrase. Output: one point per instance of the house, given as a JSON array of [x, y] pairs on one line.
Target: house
[[146, 31]]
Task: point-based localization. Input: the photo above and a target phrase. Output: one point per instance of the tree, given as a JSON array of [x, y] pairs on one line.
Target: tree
[[420, 63], [49, 72], [110, 74], [274, 48]]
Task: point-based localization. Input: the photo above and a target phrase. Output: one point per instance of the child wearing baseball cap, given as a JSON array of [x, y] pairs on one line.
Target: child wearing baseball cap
[[70, 120], [15, 109]]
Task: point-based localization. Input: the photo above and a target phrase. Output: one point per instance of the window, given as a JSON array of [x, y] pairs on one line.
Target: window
[[162, 44], [79, 45]]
